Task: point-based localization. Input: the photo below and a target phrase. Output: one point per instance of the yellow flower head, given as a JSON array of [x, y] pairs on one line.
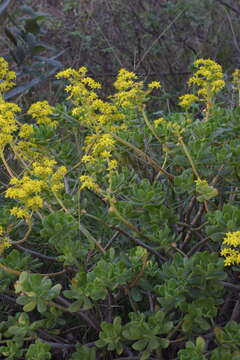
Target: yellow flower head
[[208, 77], [89, 183], [26, 131], [159, 121], [232, 239], [27, 191], [112, 165], [125, 80], [42, 111], [130, 91], [154, 85], [187, 100], [8, 124], [20, 213], [232, 256], [7, 78]]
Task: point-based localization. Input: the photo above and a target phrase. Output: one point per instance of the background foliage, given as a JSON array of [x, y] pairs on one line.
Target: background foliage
[[156, 39]]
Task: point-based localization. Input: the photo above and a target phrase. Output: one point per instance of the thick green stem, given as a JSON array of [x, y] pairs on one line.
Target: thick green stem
[[185, 149]]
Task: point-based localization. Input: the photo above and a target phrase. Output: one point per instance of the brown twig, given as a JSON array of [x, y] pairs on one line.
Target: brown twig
[[9, 270], [197, 246], [92, 322], [230, 7], [25, 236], [194, 221], [154, 252], [37, 254]]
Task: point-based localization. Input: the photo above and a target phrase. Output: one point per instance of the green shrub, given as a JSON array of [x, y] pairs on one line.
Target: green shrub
[[113, 223]]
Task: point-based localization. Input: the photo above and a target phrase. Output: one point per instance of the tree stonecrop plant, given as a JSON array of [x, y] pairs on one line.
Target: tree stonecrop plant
[[209, 80], [119, 229]]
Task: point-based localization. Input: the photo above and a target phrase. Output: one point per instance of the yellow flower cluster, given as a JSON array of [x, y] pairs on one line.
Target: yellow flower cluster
[[100, 146], [208, 77], [42, 111], [103, 118], [80, 85], [7, 78], [90, 110], [56, 183], [100, 117], [130, 91], [154, 85], [112, 165], [30, 192], [40, 174], [232, 239], [89, 183], [26, 131], [44, 170], [200, 182], [24, 145], [8, 124], [27, 192], [26, 150], [187, 100], [159, 121], [232, 256], [19, 212]]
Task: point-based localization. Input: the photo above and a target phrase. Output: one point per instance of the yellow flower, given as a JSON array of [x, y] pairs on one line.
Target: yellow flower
[[71, 73], [112, 165], [41, 111], [35, 202], [56, 181], [88, 182], [130, 92], [19, 212], [200, 182], [232, 256], [26, 131], [208, 77], [88, 159], [187, 100], [8, 124], [232, 239], [158, 121], [43, 168], [154, 85], [91, 83], [26, 150], [7, 78], [125, 80], [27, 192]]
